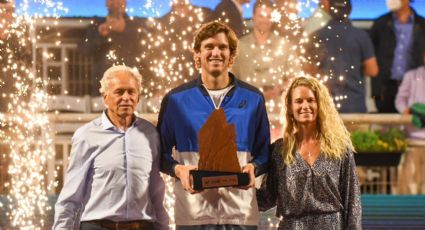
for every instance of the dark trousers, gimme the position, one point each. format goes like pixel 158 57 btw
pixel 385 103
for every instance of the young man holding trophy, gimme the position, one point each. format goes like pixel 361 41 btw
pixel 216 124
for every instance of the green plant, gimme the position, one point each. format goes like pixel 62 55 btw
pixel 364 141
pixel 392 140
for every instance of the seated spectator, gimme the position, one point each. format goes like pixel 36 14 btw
pixel 412 173
pixel 347 55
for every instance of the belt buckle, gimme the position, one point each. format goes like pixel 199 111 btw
pixel 123 226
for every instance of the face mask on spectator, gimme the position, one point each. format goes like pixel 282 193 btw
pixel 393 5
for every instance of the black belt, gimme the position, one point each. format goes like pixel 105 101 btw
pixel 122 225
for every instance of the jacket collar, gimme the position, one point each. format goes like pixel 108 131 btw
pixel 233 81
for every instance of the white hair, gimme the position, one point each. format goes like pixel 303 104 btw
pixel 110 73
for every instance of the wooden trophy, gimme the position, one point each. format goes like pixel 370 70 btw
pixel 218 164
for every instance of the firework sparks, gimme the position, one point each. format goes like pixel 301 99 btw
pixel 25 127
pixel 169 49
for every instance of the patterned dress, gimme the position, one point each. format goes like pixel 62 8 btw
pixel 323 196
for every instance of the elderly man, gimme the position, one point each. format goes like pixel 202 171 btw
pixel 186 108
pixel 113 177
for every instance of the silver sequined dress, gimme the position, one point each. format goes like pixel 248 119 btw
pixel 324 196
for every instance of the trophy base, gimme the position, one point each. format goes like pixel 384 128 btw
pixel 209 179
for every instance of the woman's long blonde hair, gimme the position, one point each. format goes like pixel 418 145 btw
pixel 334 137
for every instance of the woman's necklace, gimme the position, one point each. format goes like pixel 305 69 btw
pixel 303 147
pixel 308 147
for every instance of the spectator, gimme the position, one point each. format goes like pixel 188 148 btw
pixel 171 60
pixel 290 28
pixel 399 41
pixel 231 13
pixel 411 91
pixel 289 25
pixel 347 56
pixel 263 57
pixel 114 40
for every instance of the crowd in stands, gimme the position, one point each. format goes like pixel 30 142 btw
pixel 326 45
pixel 272 51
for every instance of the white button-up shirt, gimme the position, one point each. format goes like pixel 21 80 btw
pixel 113 174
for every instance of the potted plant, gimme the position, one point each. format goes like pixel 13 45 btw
pixel 379 147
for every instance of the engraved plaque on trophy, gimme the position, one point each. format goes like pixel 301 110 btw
pixel 218 164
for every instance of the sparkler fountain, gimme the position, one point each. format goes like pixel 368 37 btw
pixel 25 127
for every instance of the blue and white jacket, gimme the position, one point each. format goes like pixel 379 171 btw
pixel 184 111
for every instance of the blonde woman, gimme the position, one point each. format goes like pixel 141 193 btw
pixel 312 177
